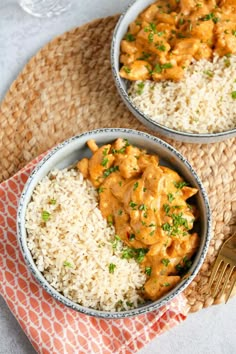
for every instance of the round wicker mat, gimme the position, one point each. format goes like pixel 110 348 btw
pixel 66 89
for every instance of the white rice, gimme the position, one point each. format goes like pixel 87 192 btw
pixel 198 103
pixel 75 247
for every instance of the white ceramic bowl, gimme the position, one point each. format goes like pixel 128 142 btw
pixel 74 149
pixel 133 10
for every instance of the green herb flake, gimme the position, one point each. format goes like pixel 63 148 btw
pixel 110 219
pixel 67 264
pixel 100 190
pixel 120 212
pixel 233 95
pixel 105 161
pixel 132 205
pixel 144 189
pixel 52 201
pixel 45 215
pixel 108 171
pixel 132 237
pixel 130 304
pixel 105 151
pixel 152 233
pixel 144 56
pixel 166 227
pixel 234 33
pixel 227 62
pixel 160 47
pixel 115 242
pixel 181 21
pixel 170 197
pixel 166 208
pixel 166 284
pixel 208 73
pixel 120 183
pixel 130 37
pixel 142 207
pixel 135 186
pixel 180 185
pixel 160 67
pixel 112 267
pixel 140 254
pixel 165 261
pixel 126 69
pixel 148 271
pixel 150 37
pixel 140 88
pixel 199 5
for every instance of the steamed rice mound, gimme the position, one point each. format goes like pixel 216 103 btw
pixel 75 249
pixel 204 101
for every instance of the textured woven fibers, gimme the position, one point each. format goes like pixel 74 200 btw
pixel 66 89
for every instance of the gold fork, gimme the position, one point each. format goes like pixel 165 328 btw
pixel 224 269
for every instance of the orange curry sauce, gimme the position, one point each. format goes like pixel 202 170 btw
pixel 147 205
pixel 169 34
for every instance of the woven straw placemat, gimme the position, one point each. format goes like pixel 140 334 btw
pixel 66 89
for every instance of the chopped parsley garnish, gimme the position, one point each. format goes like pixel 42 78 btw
pixel 67 264
pixel 140 88
pixel 112 267
pixel 151 28
pixel 180 185
pixel 227 62
pixel 136 253
pixel 148 271
pixel 166 227
pixel 183 267
pixel 170 197
pixel 132 205
pixel 150 37
pixel 142 207
pixel 208 73
pixel 131 237
pixel 160 47
pixel 115 242
pixel 100 189
pixel 144 189
pixel 166 284
pixel 199 5
pixel 120 212
pixel 110 220
pixel 159 67
pixel 152 233
pixel 166 208
pixel 45 215
pixel 178 220
pixel 165 261
pixel 120 183
pixel 126 69
pixel 181 21
pixel 144 56
pixel 52 201
pixel 105 151
pixel 210 16
pixel 233 95
pixel 130 304
pixel 108 171
pixel 135 186
pixel 130 37
pixel 234 33
pixel 105 161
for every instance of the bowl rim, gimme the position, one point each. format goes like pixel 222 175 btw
pixel 61 298
pixel 198 137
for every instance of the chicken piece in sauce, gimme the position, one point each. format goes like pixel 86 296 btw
pixel 146 202
pixel 168 35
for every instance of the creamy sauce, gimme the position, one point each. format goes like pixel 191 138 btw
pixel 168 35
pixel 147 204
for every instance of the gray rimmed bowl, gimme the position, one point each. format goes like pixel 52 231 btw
pixel 131 13
pixel 74 149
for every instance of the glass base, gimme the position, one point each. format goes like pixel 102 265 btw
pixel 45 8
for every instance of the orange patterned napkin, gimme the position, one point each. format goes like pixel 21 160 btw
pixel 52 327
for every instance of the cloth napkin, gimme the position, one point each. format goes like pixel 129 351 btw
pixel 52 327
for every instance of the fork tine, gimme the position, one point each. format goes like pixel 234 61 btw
pixel 226 280
pixel 230 289
pixel 214 270
pixel 219 279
